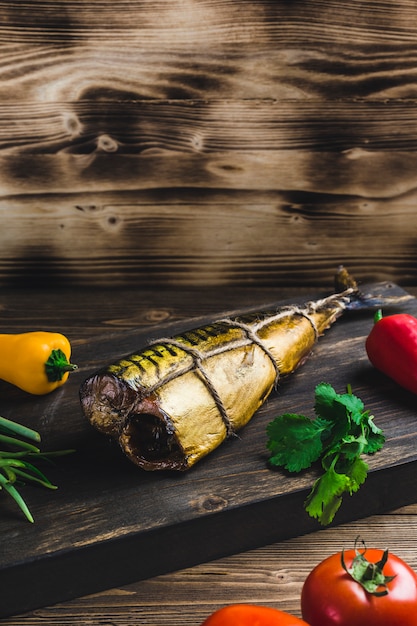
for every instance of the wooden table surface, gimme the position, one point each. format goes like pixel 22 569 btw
pixel 272 575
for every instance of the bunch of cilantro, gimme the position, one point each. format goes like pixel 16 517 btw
pixel 339 435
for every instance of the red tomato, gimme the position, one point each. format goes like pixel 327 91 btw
pixel 251 615
pixel 331 596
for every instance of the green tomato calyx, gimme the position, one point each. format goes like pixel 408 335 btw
pixel 369 575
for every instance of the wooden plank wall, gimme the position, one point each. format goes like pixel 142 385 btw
pixel 220 142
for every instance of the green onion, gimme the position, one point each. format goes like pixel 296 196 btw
pixel 17 461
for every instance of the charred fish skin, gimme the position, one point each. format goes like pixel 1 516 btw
pixel 177 399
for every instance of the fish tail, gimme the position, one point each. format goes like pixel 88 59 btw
pixel 383 294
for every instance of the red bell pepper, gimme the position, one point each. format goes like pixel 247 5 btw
pixel 392 348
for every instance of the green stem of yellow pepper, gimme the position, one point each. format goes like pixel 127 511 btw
pixel 57 365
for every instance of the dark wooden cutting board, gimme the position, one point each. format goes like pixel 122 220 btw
pixel 110 523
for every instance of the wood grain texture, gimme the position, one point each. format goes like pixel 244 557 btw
pixel 106 509
pixel 167 115
pixel 211 142
pixel 280 238
pixel 188 49
pixel 272 575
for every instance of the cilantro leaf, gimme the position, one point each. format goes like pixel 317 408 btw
pixel 341 433
pixel 370 422
pixel 353 405
pixel 295 441
pixel 375 442
pixel 352 446
pixel 357 473
pixel 328 406
pixel 325 497
pixel 324 396
pixel 375 436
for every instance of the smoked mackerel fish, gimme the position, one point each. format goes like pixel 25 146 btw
pixel 175 400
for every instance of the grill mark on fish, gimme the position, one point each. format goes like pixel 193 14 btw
pixel 202 333
pixel 210 330
pixel 137 361
pixel 157 353
pixel 189 338
pixel 151 359
pixel 171 350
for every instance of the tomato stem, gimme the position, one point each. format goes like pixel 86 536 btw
pixel 369 575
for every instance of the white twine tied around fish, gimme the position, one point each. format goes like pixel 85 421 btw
pixel 251 337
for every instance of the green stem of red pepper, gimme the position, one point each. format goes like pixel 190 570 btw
pixel 378 316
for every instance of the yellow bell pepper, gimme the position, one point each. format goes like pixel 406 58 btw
pixel 37 362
